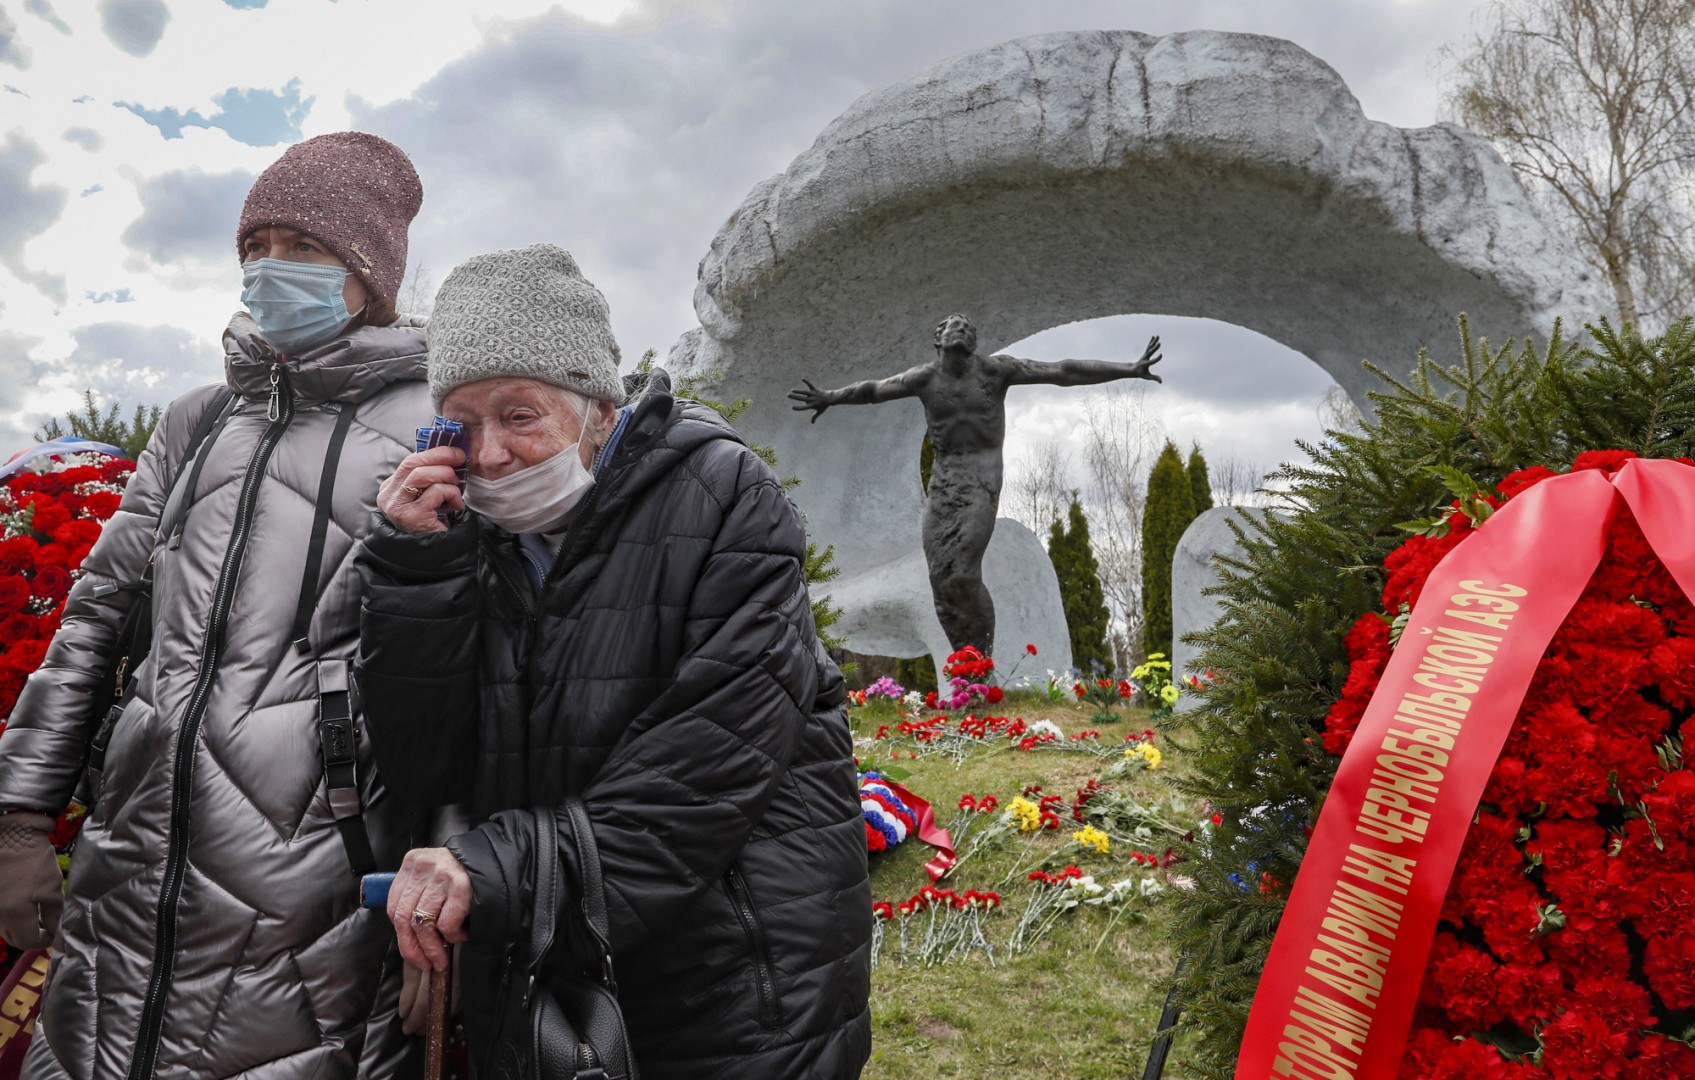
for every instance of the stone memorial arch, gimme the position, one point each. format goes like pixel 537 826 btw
pixel 1073 176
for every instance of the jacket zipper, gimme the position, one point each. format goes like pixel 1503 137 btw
pixel 281 414
pixel 742 900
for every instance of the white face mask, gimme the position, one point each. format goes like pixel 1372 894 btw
pixel 534 498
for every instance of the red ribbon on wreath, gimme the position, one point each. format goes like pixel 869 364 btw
pixel 928 831
pixel 20 1003
pixel 1341 981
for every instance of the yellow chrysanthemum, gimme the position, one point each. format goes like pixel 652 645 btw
pixel 1026 813
pixel 1148 752
pixel 1168 694
pixel 1091 837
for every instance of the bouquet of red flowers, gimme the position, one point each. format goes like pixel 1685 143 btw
pixel 50 515
pixel 1565 948
pixel 48 521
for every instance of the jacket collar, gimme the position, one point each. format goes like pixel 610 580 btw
pixel 349 369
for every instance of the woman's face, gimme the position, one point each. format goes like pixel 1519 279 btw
pixel 514 423
pixel 277 242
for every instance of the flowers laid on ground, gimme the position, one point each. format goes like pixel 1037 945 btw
pixel 953 925
pixel 1090 837
pixel 885 687
pixel 966 671
pixel 1152 678
pixel 1140 754
pixel 1565 948
pixel 1053 895
pixel 1105 695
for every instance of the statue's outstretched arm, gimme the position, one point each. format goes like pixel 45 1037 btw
pixel 1084 372
pixel 867 392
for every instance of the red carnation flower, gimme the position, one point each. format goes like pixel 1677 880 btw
pixel 52 555
pixel 1031 649
pixel 101 505
pixel 1669 963
pixel 48 517
pixel 49 484
pixel 1605 460
pixel 77 533
pixel 1514 483
pixel 1581 1046
pixel 994 695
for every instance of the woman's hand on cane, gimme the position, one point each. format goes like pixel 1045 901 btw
pixel 427 904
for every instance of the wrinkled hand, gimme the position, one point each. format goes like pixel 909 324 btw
pixel 427 904
pixel 32 889
pixel 811 398
pixel 415 997
pixel 1142 369
pixel 422 485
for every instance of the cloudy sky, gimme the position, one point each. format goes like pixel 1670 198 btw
pixel 624 130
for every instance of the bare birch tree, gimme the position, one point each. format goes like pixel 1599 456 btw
pixel 1235 481
pixel 418 292
pixel 1041 489
pixel 1337 411
pixel 1594 102
pixel 1122 434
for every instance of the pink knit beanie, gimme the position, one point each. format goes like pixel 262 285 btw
pixel 355 192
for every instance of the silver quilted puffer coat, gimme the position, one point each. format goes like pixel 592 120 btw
pixel 212 926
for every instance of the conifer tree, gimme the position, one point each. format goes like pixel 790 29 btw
pixel 1200 483
pixel 1080 589
pixel 130 435
pixel 1166 513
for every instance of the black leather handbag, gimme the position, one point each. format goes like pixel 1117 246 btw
pixel 562 1027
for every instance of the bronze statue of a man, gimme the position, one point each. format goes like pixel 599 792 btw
pixel 964 398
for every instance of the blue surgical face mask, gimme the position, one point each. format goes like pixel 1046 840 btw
pixel 297 305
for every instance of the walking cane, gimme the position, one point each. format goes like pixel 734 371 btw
pixel 373 893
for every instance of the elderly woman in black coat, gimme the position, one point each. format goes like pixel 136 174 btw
pixel 621 615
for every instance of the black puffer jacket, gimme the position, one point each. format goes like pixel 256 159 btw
pixel 670 675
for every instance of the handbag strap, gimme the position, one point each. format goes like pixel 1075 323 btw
pixel 593 886
pixel 546 894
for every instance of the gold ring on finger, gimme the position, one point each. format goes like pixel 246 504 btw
pixel 412 491
pixel 420 917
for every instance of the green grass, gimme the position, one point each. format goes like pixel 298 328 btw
pixel 1062 1009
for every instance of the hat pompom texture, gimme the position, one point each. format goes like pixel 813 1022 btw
pixel 526 313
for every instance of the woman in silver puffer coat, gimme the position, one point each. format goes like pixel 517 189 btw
pixel 211 926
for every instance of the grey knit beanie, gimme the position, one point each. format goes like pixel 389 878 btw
pixel 528 313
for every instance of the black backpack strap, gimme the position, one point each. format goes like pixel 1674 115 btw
pixel 337 735
pixel 308 601
pixel 206 434
pixel 339 742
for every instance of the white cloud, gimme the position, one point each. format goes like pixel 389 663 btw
pixel 135 26
pixel 624 130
